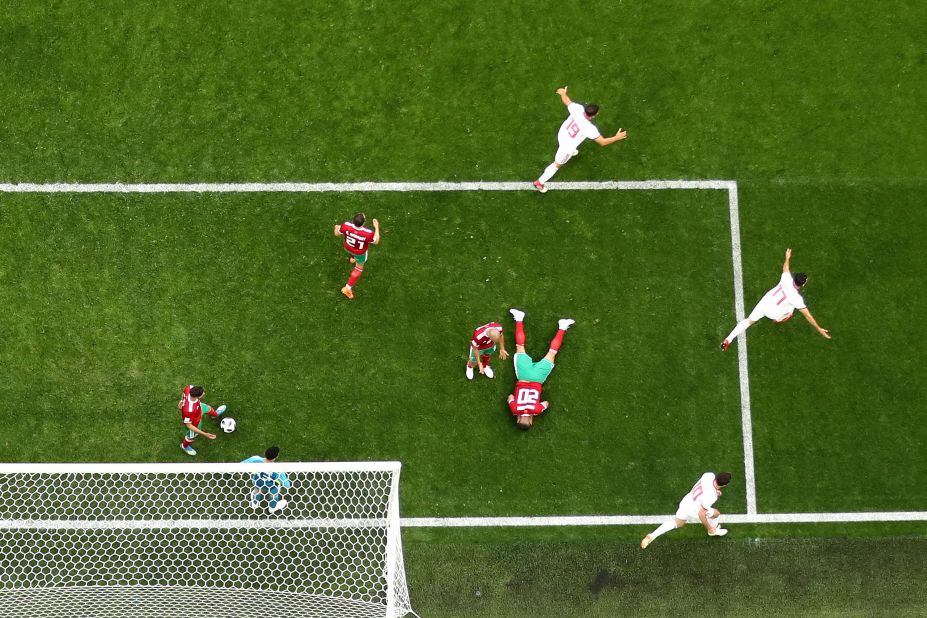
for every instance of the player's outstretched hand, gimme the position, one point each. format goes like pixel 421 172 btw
pixel 825 333
pixel 211 436
pixel 562 91
pixel 503 355
pixel 621 134
pixel 788 253
pixel 376 223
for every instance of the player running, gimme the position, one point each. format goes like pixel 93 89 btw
pixel 482 345
pixel 268 484
pixel 526 403
pixel 574 131
pixel 357 239
pixel 191 410
pixel 779 304
pixel 696 507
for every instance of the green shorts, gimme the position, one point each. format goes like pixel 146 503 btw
pixel 360 259
pixel 485 352
pixel 192 434
pixel 529 371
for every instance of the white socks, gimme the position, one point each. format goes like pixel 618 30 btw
pixel 741 327
pixel 549 172
pixel 669 524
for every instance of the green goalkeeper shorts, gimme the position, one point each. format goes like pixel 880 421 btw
pixel 526 369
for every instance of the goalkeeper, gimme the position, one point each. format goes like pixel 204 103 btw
pixel 268 484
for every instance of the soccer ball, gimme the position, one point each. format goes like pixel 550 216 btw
pixel 227 424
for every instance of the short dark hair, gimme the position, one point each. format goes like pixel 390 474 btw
pixel 723 478
pixel 799 279
pixel 591 109
pixel 272 453
pixel 524 423
pixel 359 219
pixel 196 391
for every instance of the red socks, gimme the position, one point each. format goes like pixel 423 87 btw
pixel 519 333
pixel 186 443
pixel 558 340
pixel 355 275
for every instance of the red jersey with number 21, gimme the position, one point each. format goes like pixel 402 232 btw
pixel 191 411
pixel 356 239
pixel 527 399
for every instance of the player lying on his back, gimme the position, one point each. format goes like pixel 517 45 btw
pixel 268 485
pixel 778 304
pixel 482 344
pixel 526 403
pixel 357 239
pixel 191 410
pixel 696 507
pixel 575 129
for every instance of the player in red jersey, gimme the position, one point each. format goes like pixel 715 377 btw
pixel 357 239
pixel 482 345
pixel 526 403
pixel 191 410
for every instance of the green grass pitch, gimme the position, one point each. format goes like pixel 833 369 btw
pixel 110 303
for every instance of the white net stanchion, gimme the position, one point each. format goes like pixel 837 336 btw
pixel 201 540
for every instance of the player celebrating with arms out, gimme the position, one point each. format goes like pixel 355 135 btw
pixel 357 239
pixel 482 345
pixel 696 507
pixel 191 410
pixel 778 304
pixel 526 403
pixel 574 131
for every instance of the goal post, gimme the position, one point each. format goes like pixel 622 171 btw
pixel 206 540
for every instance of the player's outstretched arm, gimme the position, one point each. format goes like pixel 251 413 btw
pixel 503 353
pixel 563 95
pixel 196 429
pixel 788 257
pixel 337 230
pixel 823 331
pixel 617 137
pixel 376 232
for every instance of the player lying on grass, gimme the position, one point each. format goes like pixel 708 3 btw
pixel 191 410
pixel 268 485
pixel 357 240
pixel 526 403
pixel 778 304
pixel 696 507
pixel 575 129
pixel 482 344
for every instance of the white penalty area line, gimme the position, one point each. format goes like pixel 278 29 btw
pixel 639 520
pixel 372 187
pixel 349 187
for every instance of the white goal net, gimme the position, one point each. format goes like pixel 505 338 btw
pixel 201 540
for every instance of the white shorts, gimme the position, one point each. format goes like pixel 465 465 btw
pixel 770 310
pixel 564 153
pixel 688 511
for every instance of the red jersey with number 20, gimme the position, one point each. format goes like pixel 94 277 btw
pixel 527 399
pixel 191 411
pixel 356 239
pixel 481 335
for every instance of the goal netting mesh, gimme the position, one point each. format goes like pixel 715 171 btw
pixel 203 540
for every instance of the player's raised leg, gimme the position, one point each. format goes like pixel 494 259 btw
pixel 563 324
pixel 669 524
pixel 519 317
pixel 743 325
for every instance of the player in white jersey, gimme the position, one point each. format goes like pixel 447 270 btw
pixel 697 506
pixel 778 304
pixel 574 131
